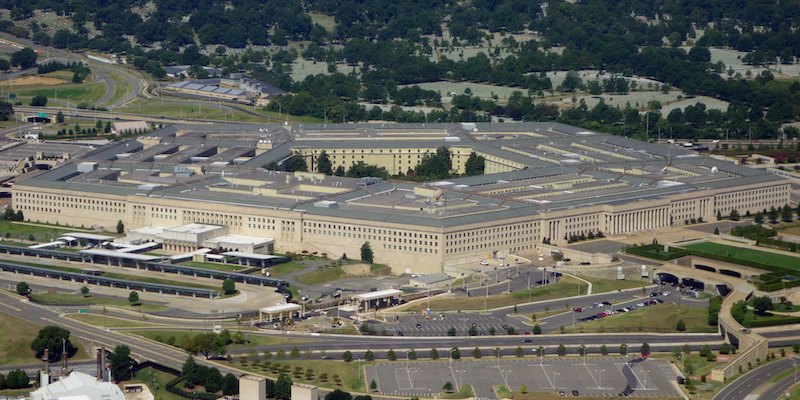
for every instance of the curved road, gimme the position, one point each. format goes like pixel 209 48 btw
pixel 742 387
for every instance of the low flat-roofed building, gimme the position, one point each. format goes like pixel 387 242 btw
pixel 431 281
pixel 372 301
pixel 543 182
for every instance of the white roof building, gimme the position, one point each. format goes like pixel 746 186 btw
pixel 78 386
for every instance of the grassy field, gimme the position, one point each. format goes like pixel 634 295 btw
pixel 322 275
pixel 148 376
pixel 350 374
pixel 464 392
pixel 123 87
pixel 600 285
pixel 195 109
pixel 285 268
pixel 163 336
pixel 77 299
pixel 214 266
pixel 108 322
pixel 745 255
pixel 41 233
pixel 656 318
pixel 15 342
pixel 564 288
pixel 74 93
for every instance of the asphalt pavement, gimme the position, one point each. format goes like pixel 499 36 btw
pixel 742 387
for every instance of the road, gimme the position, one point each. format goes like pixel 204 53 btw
pixel 741 388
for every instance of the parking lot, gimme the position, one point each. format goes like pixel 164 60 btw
pixel 439 324
pixel 596 377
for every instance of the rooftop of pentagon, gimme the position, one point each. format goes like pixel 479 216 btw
pixel 561 167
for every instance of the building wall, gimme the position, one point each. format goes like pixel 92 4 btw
pixel 404 247
pixel 252 388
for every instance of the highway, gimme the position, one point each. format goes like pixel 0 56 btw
pixel 741 388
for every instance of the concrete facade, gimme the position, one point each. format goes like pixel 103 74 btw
pixel 179 176
pixel 252 387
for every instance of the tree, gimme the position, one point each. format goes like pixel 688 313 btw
pixel 228 286
pixel 373 386
pixel 411 355
pixel 206 343
pixel 4 65
pixel 23 289
pixel 214 381
pixel 435 166
pixel 623 349
pixel 190 372
pixel 56 340
pixel 455 353
pixel 561 350
pixel 366 253
pixel 85 291
pixel 2 381
pixel 787 214
pixel 473 331
pixel 324 164
pixel 24 58
pixel 347 356
pixel 604 350
pixel 120 227
pixel 519 352
pixel 369 356
pixel 447 387
pixel 121 363
pixel 759 218
pixel 17 379
pixel 680 326
pixel 475 165
pixel 296 163
pixel 645 349
pixel 230 385
pixel 283 387
pixel 537 330
pixel 391 355
pixel 39 101
pixel 476 353
pixel 762 304
pixel 133 298
pixel 716 231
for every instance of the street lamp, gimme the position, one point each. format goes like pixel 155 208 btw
pixel 645 378
pixel 529 286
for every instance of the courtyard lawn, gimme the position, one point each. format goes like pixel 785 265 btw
pixel 23 230
pixel 149 375
pixel 746 255
pixel 285 268
pixel 15 342
pixel 655 318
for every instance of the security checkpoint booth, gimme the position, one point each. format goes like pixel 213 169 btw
pixel 278 312
pixel 367 302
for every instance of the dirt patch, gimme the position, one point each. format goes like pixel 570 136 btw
pixel 356 269
pixel 35 81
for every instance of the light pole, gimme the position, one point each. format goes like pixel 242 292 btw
pixel 460 379
pixel 645 378
pixel 486 298
pixel 529 286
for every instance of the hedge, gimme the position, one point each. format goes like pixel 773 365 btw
pixel 760 323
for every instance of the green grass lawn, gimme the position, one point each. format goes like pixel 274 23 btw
pixel 15 342
pixel 123 87
pixel 74 93
pixel 564 288
pixel 464 392
pixel 745 255
pixel 41 233
pixel 77 299
pixel 322 275
pixel 108 322
pixel 214 266
pixel 655 318
pixel 164 336
pixel 148 376
pixel 600 285
pixel 175 108
pixel 351 377
pixel 285 268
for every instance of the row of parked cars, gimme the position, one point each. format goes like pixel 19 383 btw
pixel 609 311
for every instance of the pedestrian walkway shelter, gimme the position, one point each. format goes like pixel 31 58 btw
pixel 111 257
pixel 372 301
pixel 254 259
pixel 279 312
pixel 89 238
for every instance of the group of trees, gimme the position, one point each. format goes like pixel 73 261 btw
pixel 55 340
pixel 79 70
pixel 10 215
pixel 16 379
pixel 6 110
pixel 210 378
pixel 209 344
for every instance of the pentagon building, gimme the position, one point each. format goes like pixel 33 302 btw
pixel 542 181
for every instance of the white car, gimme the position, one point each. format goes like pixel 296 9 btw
pixel 484 262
